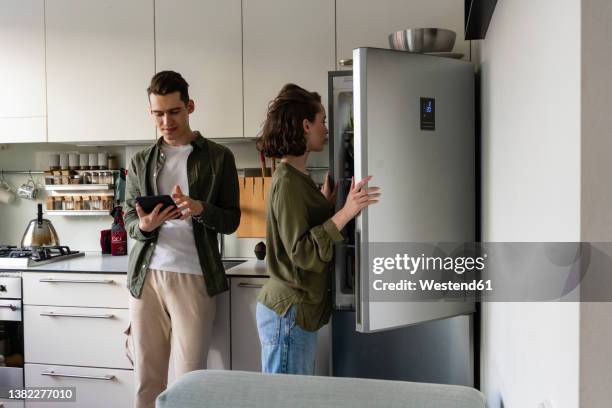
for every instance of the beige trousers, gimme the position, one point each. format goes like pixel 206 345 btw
pixel 174 308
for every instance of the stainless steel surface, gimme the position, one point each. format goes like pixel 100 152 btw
pixel 53 280
pixel 423 40
pixel 431 173
pixel 39 232
pixel 9 306
pixel 10 378
pixel 250 285
pixel 89 377
pixel 101 316
pixel 230 263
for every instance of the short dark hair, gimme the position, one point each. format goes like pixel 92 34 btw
pixel 283 131
pixel 167 82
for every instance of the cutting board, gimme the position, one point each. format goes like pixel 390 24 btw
pixel 253 198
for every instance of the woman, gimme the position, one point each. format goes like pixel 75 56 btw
pixel 301 232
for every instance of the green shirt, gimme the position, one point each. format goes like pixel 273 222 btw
pixel 213 181
pixel 300 246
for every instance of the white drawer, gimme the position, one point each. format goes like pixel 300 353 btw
pixel 7 403
pixel 10 309
pixel 75 336
pixel 10 287
pixel 75 289
pixel 95 387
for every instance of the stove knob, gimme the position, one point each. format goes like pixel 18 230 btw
pixel 2 288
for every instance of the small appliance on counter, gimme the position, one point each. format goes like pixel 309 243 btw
pixel 39 233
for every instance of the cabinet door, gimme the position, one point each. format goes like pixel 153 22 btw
pixel 246 349
pixel 22 52
pixel 202 40
pixel 284 41
pixel 367 23
pixel 100 60
pixel 83 336
pixel 94 387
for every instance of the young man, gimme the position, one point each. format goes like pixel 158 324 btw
pixel 175 268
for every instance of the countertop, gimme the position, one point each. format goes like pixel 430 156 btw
pixel 94 262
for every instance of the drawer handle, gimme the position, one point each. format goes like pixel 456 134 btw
pixel 51 280
pixel 90 377
pixel 12 307
pixel 250 285
pixel 53 314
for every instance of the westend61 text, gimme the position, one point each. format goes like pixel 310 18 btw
pixel 432 285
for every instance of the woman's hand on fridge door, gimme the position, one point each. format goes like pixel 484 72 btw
pixel 359 197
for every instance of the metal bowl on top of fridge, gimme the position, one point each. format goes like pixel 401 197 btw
pixel 423 40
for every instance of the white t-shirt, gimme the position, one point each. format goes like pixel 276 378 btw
pixel 175 250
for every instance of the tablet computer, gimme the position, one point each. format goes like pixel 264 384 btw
pixel 148 203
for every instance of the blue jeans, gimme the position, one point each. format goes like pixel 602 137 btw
pixel 285 347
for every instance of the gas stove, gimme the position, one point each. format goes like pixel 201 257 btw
pixel 14 257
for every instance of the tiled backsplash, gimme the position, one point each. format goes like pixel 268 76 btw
pixel 83 232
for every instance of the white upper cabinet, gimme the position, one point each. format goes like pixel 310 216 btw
pixel 367 23
pixel 100 60
pixel 284 41
pixel 22 69
pixel 202 40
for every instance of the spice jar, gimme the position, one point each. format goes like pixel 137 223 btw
pixel 73 161
pixel 76 179
pixel 93 161
pixel 49 203
pixel 49 180
pixel 84 161
pixel 86 203
pixel 113 163
pixel 103 160
pixel 63 161
pixel 58 203
pixel 54 162
pixel 95 178
pixel 95 203
pixel 68 203
pixel 86 177
pixel 78 203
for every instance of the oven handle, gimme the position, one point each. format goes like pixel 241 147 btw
pixel 90 377
pixel 53 314
pixel 12 307
pixel 51 280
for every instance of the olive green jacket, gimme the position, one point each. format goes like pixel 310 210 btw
pixel 213 181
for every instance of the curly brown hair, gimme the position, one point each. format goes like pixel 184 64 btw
pixel 167 82
pixel 283 131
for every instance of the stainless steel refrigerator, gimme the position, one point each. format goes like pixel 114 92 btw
pixel 408 120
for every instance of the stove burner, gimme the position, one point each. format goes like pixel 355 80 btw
pixel 35 253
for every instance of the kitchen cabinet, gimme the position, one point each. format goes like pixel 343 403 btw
pixel 246 348
pixel 73 336
pixel 100 60
pixel 202 40
pixel 386 16
pixel 22 52
pixel 284 41
pixel 94 387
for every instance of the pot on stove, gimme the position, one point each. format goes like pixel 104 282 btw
pixel 39 233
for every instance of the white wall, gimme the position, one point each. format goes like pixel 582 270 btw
pixel 530 72
pixel 596 318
